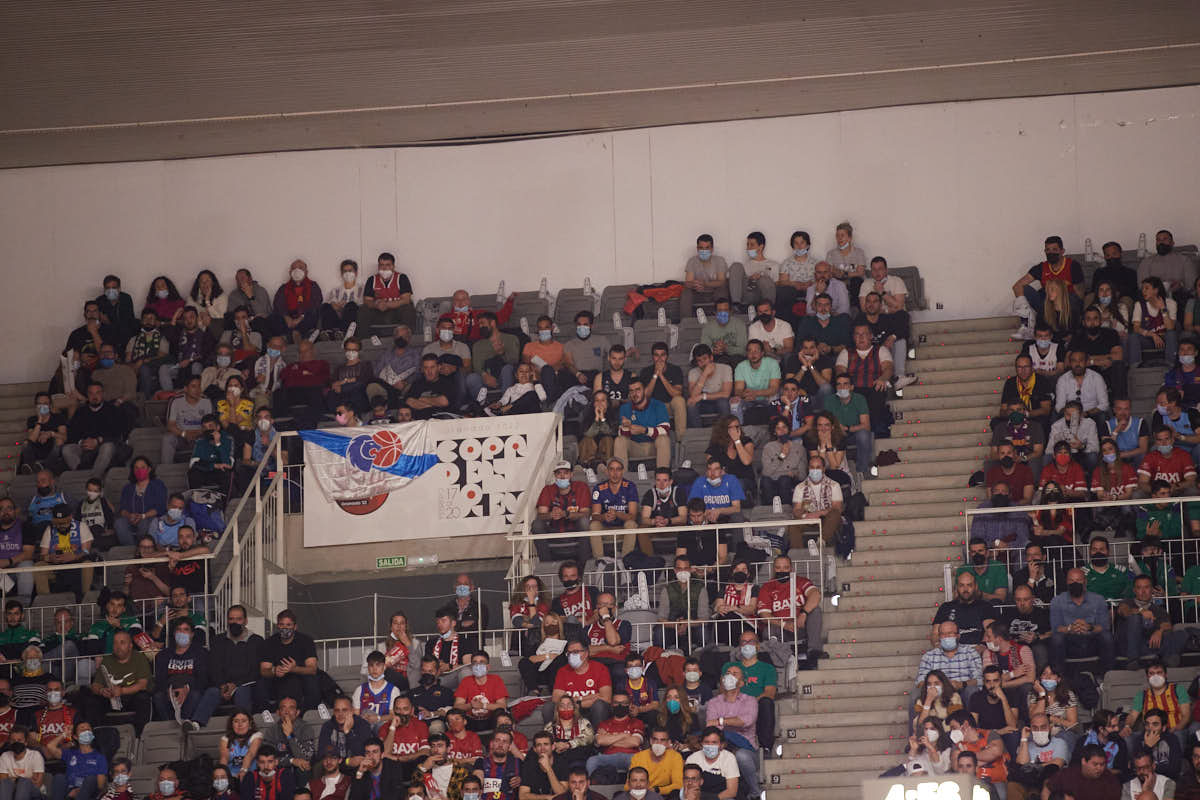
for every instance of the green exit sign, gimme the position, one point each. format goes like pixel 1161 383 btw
pixel 391 562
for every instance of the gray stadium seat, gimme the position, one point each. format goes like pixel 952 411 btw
pixel 161 741
pixel 915 285
pixel 568 303
pixel 147 442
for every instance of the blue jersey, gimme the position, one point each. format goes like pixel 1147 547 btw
pixel 619 500
pixel 81 766
pixel 41 507
pixel 720 496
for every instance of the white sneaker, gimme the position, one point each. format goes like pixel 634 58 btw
pixel 191 726
pixel 590 474
pixel 813 549
pixel 479 398
pixel 543 289
pixel 905 380
pixel 525 325
pixel 350 329
pixel 500 295
pixel 912 353
pixel 662 317
pixel 1024 332
pixel 316 334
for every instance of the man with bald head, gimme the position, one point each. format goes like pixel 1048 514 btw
pixel 959 662
pixel 968 610
pixel 1080 625
pixel 470 613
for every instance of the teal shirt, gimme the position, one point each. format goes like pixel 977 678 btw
pixel 993 578
pixel 757 379
pixel 849 413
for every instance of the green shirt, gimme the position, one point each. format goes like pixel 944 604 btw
pixel 1169 523
pixel 993 578
pixel 1114 584
pixel 1191 580
pixel 757 379
pixel 847 413
pixel 54 640
pixel 758 676
pixel 1181 696
pixel 103 630
pixel 482 350
pixel 126 674
pixel 733 334
pixel 18 635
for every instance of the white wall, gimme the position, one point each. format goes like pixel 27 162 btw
pixel 967 191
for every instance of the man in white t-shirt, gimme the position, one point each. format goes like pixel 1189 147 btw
pixel 21 766
pixel 714 759
pixel 775 333
pixel 818 496
pixel 891 289
pixel 710 384
pixel 183 419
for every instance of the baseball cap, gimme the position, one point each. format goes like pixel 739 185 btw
pixel 563 465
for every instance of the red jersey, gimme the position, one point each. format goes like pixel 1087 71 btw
pixel 409 738
pixel 53 722
pixel 467 748
pixel 773 600
pixel 1173 468
pixel 739 596
pixel 622 726
pixel 1073 480
pixel 7 720
pixel 594 678
pixel 578 602
pixel 595 634
pixel 528 610
pixel 493 690
pixel 1126 479
pixel 577 497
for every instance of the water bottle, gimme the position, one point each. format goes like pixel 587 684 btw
pixel 662 317
pixel 591 476
pixel 428 332
pixel 617 324
pixel 776 505
pixel 1142 245
pixel 525 326
pixel 587 287
pixel 672 337
pixel 1089 255
pixel 500 295
pixel 701 317
pixel 323 710
pixel 267 718
pixel 544 289
pixel 350 329
pixel 642 472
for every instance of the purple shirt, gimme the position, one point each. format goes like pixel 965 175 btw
pixel 12 540
pixel 743 706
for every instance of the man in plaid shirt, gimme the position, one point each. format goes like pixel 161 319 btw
pixel 961 664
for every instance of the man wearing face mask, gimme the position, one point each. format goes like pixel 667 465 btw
pixel 182 680
pixel 268 781
pixel 662 764
pixel 46 432
pixel 1173 268
pixel 146 352
pixel 725 335
pixel 471 613
pixel 588 683
pixel 563 505
pixel 95 434
pixel 116 311
pixel 494 356
pixel 64 541
pixel 1123 279
pixel 297 304
pixel 22 768
pixel 479 695
pixel 577 601
pixel 618 737
pixel 431 700
pixel 1104 352
pixel 736 715
pixel 586 354
pixel 682 603
pixel 796 273
pixel 1065 472
pixel 93 331
pixel 704 276
pixel 1016 475
pixel 830 331
pixel 445 343
pixel 760 681
pixel 755 280
pixel 288 665
pixel 990 575
pixel 235 660
pixel 638 786
pixel 1173 412
pixel 447 646
pixel 212 458
pixel 1184 376
pixel 1056 267
pixel 1036 752
pixel 1103 577
pixel 1168 463
pixel 387 298
pixel 1080 623
pixel 719 766
pixel 956 660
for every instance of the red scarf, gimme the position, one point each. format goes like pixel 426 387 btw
pixel 297 296
pixel 437 651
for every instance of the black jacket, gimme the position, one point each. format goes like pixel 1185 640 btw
pixel 391 783
pixel 235 662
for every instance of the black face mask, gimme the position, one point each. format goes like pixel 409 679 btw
pixel 428 680
pixel 1075 589
pixel 400 343
pixel 1163 249
pixel 236 629
pixel 44 491
pixel 979 559
pixel 782 577
pixel 1000 500
pixel 739 577
pixel 1007 462
pixel 1053 258
pixel 569 585
pixel 620 712
pixel 17 748
pixel 1112 262
pixel 1092 330
pixel 4 700
pixel 485 333
pixel 1099 559
pixel 1051 497
pixel 765 319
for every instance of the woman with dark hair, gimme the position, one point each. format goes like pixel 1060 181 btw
pixel 782 459
pixel 143 500
pixel 1053 697
pixel 937 699
pixel 1114 310
pixel 929 750
pixel 148 581
pixel 827 439
pixel 1154 323
pixel 210 301
pixel 598 428
pixel 164 300
pixel 735 451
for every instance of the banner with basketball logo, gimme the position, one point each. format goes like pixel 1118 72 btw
pixel 421 480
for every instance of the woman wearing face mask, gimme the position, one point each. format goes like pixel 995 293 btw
pixel 1154 323
pixel 827 439
pixel 235 411
pixel 255 447
pixel 210 301
pixel 546 642
pixel 929 751
pixel 223 785
pixel 526 608
pixel 147 581
pixel 572 732
pixel 143 501
pixel 737 600
pixel 297 301
pixel 118 787
pixel 86 775
pixel 339 312
pixel 937 700
pixel 30 679
pixel 735 450
pixel 1114 311
pixel 1106 732
pixel 351 377
pixel 1079 432
pixel 164 300
pixel 782 460
pixel 397 651
pixel 95 512
pixel 168 786
pixel 1113 479
pixel 599 428
pixel 1053 697
pixel 676 715
pixel 1065 471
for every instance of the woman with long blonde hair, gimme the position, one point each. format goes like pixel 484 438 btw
pixel 1057 313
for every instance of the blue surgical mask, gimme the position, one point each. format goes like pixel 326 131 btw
pixel 801 252
pixel 711 751
pixel 1109 458
pixel 749 651
pixel 446 335
pixel 112 294
pixel 272 352
pixel 43 409
pixel 634 672
pixel 1187 360
pixel 845 246
pixel 949 642
pixel 751 253
pixel 86 737
pixel 1104 301
pixel 107 363
pixel 462 309
pixel 816 475
pixel 479 670
pixel 220 784
pixel 121 778
pixel 822 316
pixel 166 788
pixel 1043 344
pixel 1165 449
pixel 843 393
pixel 583 331
pixel 723 317
pixel 545 336
pixel 183 639
pixel 1049 684
pixel 704 255
pixel 175 514
pixel 714 481
pixel 562 483
pixel 673 706
pixel 462 590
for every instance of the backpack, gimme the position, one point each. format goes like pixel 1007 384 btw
pixel 856 507
pixel 1087 689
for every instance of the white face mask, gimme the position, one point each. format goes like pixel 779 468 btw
pixel 1041 738
pixel 658 749
pixel 93 495
pixel 691 677
pixel 956 737
pixel 931 735
pixel 637 794
pixel 1157 681
pixel 297 275
pixel 264 424
pixel 352 355
pixel 729 681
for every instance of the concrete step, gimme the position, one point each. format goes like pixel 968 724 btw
pixel 925 427
pixel 913 402
pixel 889 633
pixel 817 705
pixel 976 389
pixel 938 361
pixel 962 375
pixel 960 468
pixel 932 557
pixel 804 722
pixel 854 602
pixel 974 412
pixel 869 744
pixel 790 770
pixel 974 453
pixel 916 525
pixel 1009 348
pixel 22 390
pixel 843 786
pixel 890 541
pixel 856 650
pixel 880 581
pixel 845 620
pixel 986 337
pixel 948 509
pixel 878 665
pixel 939 442
pixel 973 495
pixel 1000 323
pixel 822 682
pixel 886 486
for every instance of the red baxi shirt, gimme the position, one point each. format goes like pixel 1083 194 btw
pixel 594 677
pixel 1173 468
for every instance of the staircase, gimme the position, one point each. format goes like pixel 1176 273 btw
pixel 16 405
pixel 849 718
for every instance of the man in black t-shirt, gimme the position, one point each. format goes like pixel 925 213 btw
pixel 430 393
pixel 1124 279
pixel 664 504
pixel 544 772
pixel 1028 623
pixel 968 610
pixel 289 664
pixel 45 434
pixel 664 382
pixel 990 706
pixel 1104 352
pixel 1034 400
pixel 813 371
pixel 92 331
